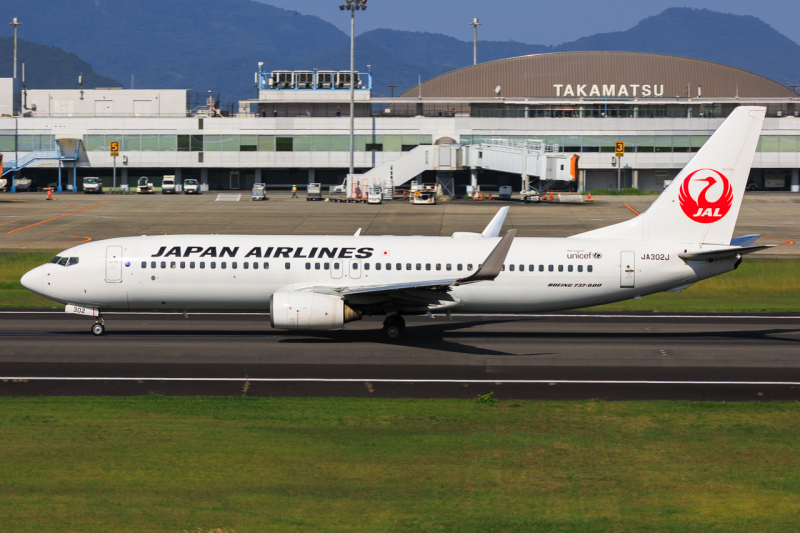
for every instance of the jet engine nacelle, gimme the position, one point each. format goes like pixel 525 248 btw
pixel 309 310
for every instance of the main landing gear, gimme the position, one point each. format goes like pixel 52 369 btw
pixel 393 327
pixel 99 327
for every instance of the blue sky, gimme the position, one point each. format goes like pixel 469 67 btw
pixel 532 21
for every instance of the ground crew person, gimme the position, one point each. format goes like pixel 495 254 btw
pixel 294 191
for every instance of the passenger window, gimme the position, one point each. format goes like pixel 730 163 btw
pixel 308 266
pixel 511 268
pixel 427 266
pixel 163 264
pixel 419 266
pixel 569 268
pixel 144 264
pixel 202 264
pixel 255 265
pixel 233 265
pixel 469 266
pixel 438 266
pixel 172 264
pixel 449 267
pixel 266 266
pixel 589 268
pixel 408 266
pixel 389 266
pixel 399 266
pixel 377 266
pixel 191 264
pixel 502 268
pixel 541 268
pixel 183 264
pixel 316 266
pixel 327 266
pixel 550 268
pixel 522 268
pixel 580 268
pixel 152 264
pixel 459 267
pixel 213 264
pixel 366 266
pixel 531 268
pixel 223 264
pixel 246 264
pixel 336 266
pixel 561 268
pixel 288 266
pixel 355 266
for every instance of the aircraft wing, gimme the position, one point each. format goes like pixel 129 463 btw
pixel 722 254
pixel 487 271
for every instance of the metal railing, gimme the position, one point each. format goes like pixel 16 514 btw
pixel 14 165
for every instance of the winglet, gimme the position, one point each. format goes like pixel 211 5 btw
pixel 746 240
pixel 493 229
pixel 357 233
pixel 494 263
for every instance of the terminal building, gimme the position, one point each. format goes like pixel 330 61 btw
pixel 297 129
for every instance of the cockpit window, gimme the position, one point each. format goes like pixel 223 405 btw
pixel 65 261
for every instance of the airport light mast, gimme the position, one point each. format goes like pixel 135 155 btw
pixel 353 6
pixel 475 23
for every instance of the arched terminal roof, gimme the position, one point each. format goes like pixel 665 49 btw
pixel 593 74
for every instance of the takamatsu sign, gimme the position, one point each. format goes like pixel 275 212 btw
pixel 631 90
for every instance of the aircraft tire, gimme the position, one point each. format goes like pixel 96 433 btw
pixel 394 327
pixel 98 329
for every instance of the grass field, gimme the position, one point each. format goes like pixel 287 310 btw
pixel 280 464
pixel 756 286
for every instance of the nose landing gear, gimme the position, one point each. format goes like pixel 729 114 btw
pixel 99 327
pixel 393 327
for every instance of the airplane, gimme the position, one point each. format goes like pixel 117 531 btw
pixel 323 282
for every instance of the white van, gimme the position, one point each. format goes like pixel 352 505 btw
pixel 168 185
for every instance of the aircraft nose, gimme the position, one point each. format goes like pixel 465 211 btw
pixel 33 280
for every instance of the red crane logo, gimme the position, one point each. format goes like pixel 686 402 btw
pixel 701 209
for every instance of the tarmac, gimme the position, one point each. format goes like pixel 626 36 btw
pixel 28 221
pixel 554 357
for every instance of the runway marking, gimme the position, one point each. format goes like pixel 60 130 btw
pixel 787 241
pixel 632 209
pixel 389 380
pixel 85 239
pixel 37 214
pixel 54 218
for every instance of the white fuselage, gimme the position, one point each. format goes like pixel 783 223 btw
pixel 186 272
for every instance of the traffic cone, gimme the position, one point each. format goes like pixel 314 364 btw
pixel 551 196
pixel 490 196
pixel 589 197
pixel 49 193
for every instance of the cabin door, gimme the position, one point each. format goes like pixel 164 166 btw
pixel 627 270
pixel 355 269
pixel 114 264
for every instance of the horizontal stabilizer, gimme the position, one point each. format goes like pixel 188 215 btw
pixel 745 240
pixel 723 254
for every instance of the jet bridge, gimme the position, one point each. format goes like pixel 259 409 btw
pixel 526 158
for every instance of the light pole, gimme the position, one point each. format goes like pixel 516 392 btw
pixel 392 87
pixel 475 23
pixel 353 6
pixel 15 22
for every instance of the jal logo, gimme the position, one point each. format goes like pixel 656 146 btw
pixel 706 196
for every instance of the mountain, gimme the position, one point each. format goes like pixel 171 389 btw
pixel 205 44
pixel 740 41
pixel 48 67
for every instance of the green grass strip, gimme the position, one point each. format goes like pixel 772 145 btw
pixel 303 464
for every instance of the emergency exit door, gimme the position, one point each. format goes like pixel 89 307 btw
pixel 355 269
pixel 337 269
pixel 114 264
pixel 627 270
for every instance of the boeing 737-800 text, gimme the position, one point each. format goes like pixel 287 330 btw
pixel 323 282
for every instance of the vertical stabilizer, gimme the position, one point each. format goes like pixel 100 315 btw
pixel 702 203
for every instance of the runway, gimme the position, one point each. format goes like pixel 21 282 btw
pixel 559 357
